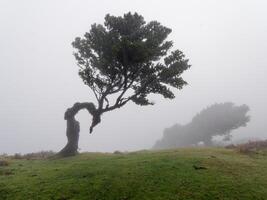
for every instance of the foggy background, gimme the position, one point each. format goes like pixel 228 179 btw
pixel 225 41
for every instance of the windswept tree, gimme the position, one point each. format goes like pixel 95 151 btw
pixel 216 120
pixel 124 60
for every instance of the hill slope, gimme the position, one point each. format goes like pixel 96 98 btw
pixel 168 175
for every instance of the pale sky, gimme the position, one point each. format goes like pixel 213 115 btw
pixel 225 41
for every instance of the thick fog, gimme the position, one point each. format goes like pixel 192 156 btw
pixel 225 41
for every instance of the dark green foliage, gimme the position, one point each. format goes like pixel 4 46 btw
pixel 126 53
pixel 215 120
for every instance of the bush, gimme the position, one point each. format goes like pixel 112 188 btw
pixel 3 163
pixel 35 156
pixel 117 152
pixel 249 147
pixel 17 156
pixel 39 155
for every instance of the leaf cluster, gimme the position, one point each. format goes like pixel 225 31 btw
pixel 128 54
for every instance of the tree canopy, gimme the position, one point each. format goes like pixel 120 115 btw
pixel 129 58
pixel 216 120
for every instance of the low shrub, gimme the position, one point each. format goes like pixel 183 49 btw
pixel 35 156
pixel 4 163
pixel 17 156
pixel 249 147
pixel 117 152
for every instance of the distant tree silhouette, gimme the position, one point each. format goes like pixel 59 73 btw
pixel 126 59
pixel 215 120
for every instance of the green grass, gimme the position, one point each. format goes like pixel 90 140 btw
pixel 165 175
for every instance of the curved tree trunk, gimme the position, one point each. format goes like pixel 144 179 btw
pixel 72 132
pixel 73 126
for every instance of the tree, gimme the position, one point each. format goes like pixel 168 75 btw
pixel 126 58
pixel 215 120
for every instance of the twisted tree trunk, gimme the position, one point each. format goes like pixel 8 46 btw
pixel 73 126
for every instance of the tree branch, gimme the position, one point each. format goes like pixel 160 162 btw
pixel 90 107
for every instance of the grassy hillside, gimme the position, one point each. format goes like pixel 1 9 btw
pixel 168 175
